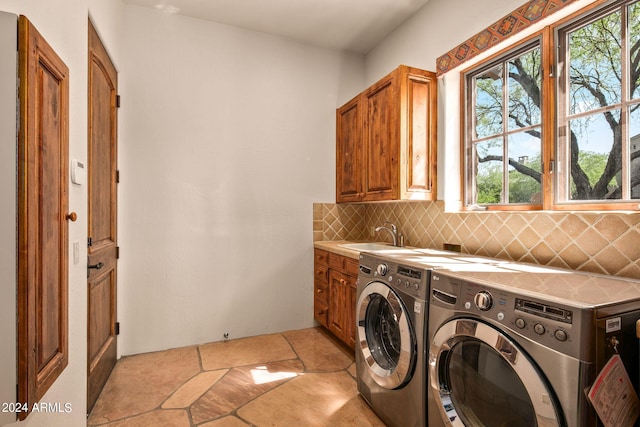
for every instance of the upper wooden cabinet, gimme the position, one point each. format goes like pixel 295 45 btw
pixel 386 140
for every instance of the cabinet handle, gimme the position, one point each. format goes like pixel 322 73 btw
pixel 319 291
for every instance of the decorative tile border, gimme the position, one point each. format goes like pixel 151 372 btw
pixel 516 21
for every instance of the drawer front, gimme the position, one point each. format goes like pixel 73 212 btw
pixel 352 267
pixel 321 257
pixel 321 291
pixel 321 273
pixel 321 313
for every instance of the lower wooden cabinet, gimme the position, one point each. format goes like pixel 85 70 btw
pixel 335 294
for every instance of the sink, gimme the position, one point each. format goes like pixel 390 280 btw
pixel 371 247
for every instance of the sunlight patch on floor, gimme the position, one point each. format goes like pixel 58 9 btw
pixel 261 375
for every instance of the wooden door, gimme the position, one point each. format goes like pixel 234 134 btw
pixel 349 152
pixel 43 159
pixel 102 221
pixel 381 141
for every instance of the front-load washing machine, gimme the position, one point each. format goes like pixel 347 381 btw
pixel 514 345
pixel 391 315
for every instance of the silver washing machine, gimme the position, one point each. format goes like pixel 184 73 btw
pixel 391 314
pixel 515 346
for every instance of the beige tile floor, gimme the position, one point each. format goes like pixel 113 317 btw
pixel 295 378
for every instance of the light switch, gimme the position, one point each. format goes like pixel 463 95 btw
pixel 76 252
pixel 78 173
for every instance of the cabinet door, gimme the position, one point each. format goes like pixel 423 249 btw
pixel 351 312
pixel 381 141
pixel 43 200
pixel 338 288
pixel 419 128
pixel 349 152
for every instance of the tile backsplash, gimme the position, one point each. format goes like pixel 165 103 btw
pixel 602 242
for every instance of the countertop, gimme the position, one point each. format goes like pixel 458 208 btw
pixel 333 246
pixel 575 288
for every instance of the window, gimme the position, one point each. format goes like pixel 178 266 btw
pixel 505 145
pixel 598 118
pixel 569 140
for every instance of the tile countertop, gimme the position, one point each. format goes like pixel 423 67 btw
pixel 579 289
pixel 336 247
pixel 333 246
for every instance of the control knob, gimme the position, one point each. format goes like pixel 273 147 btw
pixel 483 300
pixel 382 269
pixel 561 335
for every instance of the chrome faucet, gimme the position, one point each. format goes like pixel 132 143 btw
pixel 398 240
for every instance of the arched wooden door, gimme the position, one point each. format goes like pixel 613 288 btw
pixel 102 221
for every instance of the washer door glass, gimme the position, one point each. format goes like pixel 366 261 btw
pixel 484 379
pixel 385 337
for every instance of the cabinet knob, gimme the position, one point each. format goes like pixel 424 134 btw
pixel 71 217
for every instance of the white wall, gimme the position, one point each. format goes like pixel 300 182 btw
pixel 8 41
pixel 227 138
pixel 438 27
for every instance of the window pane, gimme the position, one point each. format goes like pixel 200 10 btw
pixel 488 102
pixel 634 43
pixel 595 65
pixel 593 146
pixel 489 171
pixel 634 150
pixel 524 90
pixel 525 167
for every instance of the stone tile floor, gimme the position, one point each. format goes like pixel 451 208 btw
pixel 295 378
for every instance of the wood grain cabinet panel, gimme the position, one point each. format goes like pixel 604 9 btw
pixel 335 293
pixel 349 151
pixel 43 200
pixel 386 140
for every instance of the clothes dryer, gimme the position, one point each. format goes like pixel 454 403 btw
pixel 511 344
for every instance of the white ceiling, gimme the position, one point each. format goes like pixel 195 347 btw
pixel 353 25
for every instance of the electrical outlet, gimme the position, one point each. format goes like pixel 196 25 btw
pixel 372 231
pixel 451 247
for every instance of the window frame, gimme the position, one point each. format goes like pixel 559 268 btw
pixel 539 38
pixel 550 110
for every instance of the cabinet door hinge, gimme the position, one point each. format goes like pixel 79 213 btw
pixel 117 177
pixel 90 241
pixel 117 101
pixel 117 252
pixel 117 328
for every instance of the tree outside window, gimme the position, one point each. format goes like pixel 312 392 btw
pixel 506 101
pixel 599 120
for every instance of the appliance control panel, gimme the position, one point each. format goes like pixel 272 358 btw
pixel 404 278
pixel 549 323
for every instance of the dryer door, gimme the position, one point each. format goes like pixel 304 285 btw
pixel 482 378
pixel 385 336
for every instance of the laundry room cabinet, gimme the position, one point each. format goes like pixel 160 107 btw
pixel 386 140
pixel 335 294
